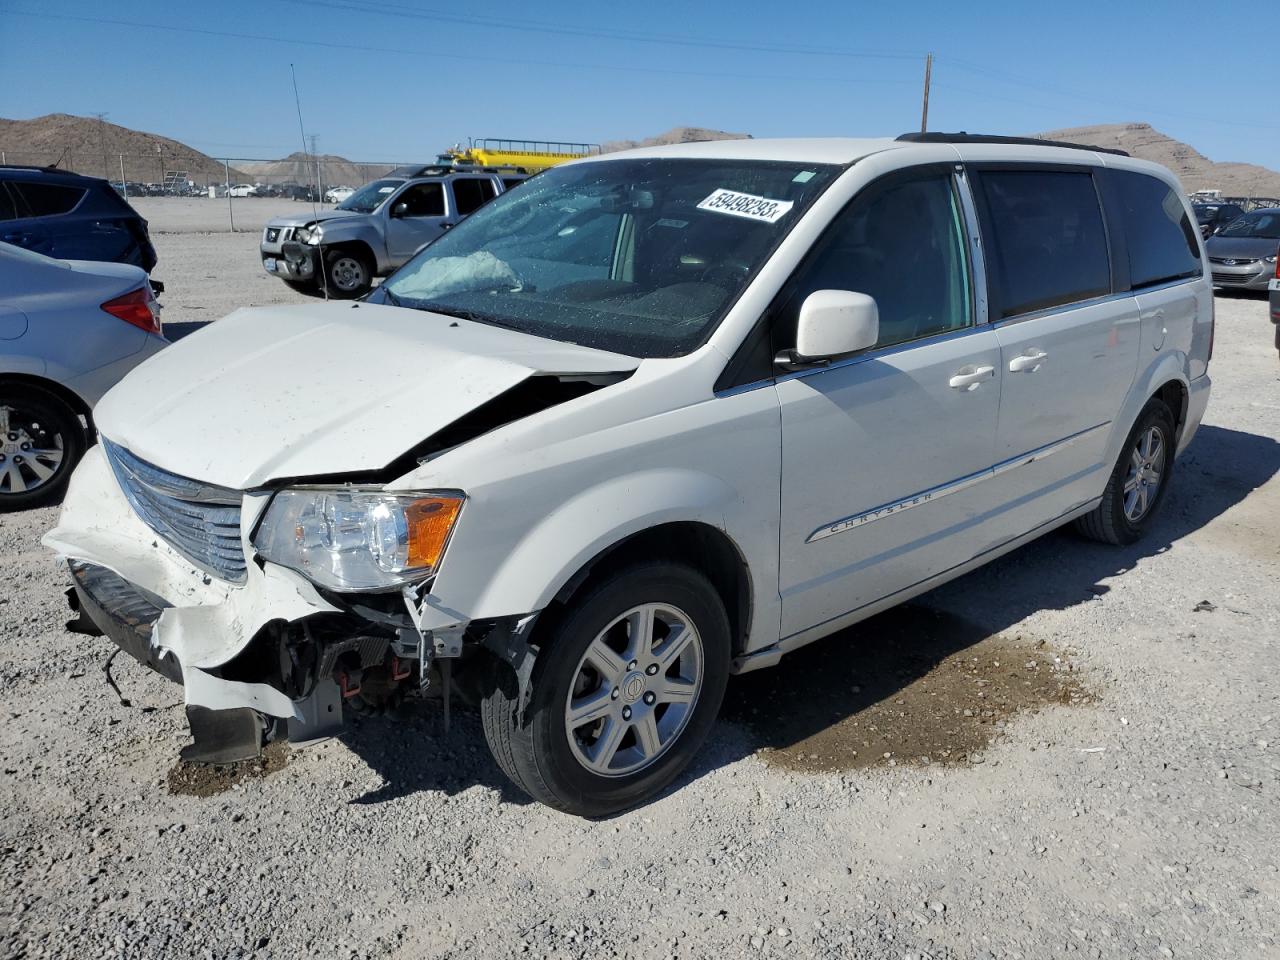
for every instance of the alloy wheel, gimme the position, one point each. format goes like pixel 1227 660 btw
pixel 30 452
pixel 1146 469
pixel 634 690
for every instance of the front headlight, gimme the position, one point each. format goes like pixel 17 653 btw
pixel 311 235
pixel 1269 259
pixel 348 539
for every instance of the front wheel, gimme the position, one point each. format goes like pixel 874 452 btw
pixel 625 690
pixel 1138 481
pixel 41 440
pixel 347 274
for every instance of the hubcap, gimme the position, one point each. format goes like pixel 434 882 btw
pixel 634 690
pixel 30 453
pixel 1146 469
pixel 347 273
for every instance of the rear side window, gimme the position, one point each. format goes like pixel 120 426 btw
pixel 470 194
pixel 507 184
pixel 1159 234
pixel 44 199
pixel 1046 242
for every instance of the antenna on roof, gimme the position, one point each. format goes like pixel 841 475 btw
pixel 315 212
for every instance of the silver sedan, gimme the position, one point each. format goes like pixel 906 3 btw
pixel 68 331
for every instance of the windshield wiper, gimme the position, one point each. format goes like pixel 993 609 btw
pixel 463 314
pixel 391 297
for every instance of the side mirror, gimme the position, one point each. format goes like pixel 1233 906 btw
pixel 834 323
pixel 399 210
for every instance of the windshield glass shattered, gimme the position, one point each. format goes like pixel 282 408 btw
pixel 1264 226
pixel 369 197
pixel 641 257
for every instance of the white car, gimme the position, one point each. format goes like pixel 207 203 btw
pixel 651 419
pixel 338 194
pixel 243 190
pixel 69 329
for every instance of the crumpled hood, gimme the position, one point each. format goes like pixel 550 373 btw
pixel 1241 248
pixel 304 391
pixel 314 217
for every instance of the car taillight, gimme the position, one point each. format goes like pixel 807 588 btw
pixel 137 307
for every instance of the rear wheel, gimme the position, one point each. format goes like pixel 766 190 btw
pixel 625 690
pixel 41 440
pixel 347 274
pixel 1138 481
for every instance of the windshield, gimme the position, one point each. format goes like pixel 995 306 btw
pixel 641 257
pixel 1259 226
pixel 369 197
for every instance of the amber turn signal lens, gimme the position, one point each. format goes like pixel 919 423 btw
pixel 430 521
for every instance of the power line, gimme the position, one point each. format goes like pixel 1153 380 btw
pixel 466 58
pixel 382 8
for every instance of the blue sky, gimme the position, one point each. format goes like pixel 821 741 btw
pixel 401 79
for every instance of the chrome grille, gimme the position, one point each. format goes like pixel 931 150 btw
pixel 1234 261
pixel 200 521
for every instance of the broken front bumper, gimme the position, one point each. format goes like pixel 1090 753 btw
pixel 246 654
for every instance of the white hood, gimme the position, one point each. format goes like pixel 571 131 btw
pixel 305 391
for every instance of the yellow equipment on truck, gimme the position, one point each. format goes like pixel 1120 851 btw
pixel 528 156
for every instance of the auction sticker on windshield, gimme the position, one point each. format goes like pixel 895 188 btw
pixel 746 205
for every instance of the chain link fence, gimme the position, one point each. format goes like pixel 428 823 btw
pixel 157 175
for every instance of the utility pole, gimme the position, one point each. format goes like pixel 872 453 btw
pixel 928 76
pixel 315 160
pixel 102 141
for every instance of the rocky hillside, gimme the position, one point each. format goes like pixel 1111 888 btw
pixel 1196 171
pixel 675 135
pixel 298 167
pixel 89 146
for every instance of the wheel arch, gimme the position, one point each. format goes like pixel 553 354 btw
pixel 719 559
pixel 62 392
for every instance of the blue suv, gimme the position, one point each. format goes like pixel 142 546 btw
pixel 70 217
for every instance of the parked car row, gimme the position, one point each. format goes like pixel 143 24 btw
pixel 633 426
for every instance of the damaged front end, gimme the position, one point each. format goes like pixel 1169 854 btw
pixel 262 651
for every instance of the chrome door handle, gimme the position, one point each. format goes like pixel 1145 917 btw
pixel 1028 361
pixel 970 378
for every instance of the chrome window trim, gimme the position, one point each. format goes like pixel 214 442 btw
pixel 885 351
pixel 952 486
pixel 977 256
pixel 1065 307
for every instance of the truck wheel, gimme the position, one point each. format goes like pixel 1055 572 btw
pixel 1138 482
pixel 41 440
pixel 624 691
pixel 347 274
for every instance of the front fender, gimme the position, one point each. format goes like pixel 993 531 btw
pixel 340 232
pixel 548 555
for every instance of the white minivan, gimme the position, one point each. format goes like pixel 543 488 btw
pixel 651 419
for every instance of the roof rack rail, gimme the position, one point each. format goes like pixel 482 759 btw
pixel 963 137
pixel 32 166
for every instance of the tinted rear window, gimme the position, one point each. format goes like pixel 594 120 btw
pixel 44 199
pixel 470 194
pixel 1047 246
pixel 1161 240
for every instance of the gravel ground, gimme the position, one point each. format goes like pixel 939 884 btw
pixel 1072 752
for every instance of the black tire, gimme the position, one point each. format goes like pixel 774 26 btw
pixel 1108 522
pixel 39 420
pixel 348 274
pixel 536 754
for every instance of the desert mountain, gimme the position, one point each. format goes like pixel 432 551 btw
pixel 1194 169
pixel 299 167
pixel 93 147
pixel 675 135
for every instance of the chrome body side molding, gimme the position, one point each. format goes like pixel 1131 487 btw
pixel 954 486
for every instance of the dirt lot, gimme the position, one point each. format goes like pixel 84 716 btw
pixel 1072 752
